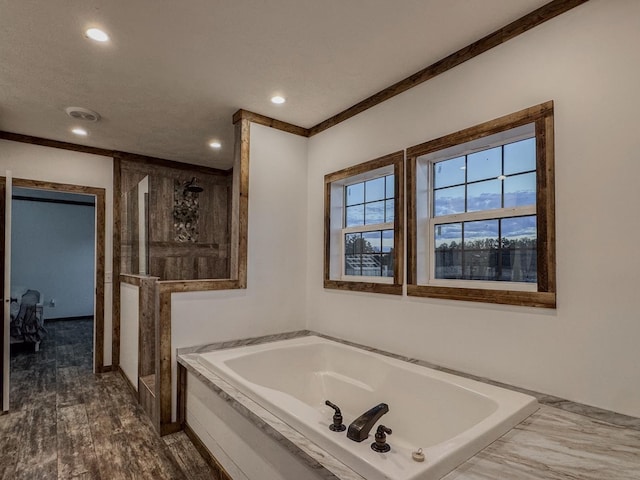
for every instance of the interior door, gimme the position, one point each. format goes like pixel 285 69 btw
pixel 5 283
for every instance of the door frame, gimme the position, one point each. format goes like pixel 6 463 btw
pixel 4 363
pixel 100 226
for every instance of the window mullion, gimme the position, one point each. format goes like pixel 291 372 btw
pixel 466 182
pixel 368 228
pixel 502 174
pixel 486 215
pixel 499 259
pixel 462 253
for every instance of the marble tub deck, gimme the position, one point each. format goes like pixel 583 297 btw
pixel 555 443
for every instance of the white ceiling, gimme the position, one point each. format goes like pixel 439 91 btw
pixel 175 71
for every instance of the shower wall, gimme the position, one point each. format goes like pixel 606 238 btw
pixel 187 233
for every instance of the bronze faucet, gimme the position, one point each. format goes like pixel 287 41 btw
pixel 361 426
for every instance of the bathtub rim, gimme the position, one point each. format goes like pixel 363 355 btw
pixel 508 409
pixel 596 413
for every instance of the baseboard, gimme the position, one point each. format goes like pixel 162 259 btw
pixel 132 388
pixel 169 428
pixel 104 369
pixel 206 454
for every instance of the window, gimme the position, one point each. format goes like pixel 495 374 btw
pixel 481 218
pixel 368 228
pixel 363 226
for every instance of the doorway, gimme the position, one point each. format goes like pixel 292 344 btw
pixel 65 310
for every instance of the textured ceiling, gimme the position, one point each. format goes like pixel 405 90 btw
pixel 176 71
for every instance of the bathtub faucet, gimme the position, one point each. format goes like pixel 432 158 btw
pixel 361 426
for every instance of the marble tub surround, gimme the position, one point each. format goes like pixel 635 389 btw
pixel 595 413
pixel 243 342
pixel 554 444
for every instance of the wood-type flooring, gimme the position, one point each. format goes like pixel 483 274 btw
pixel 67 423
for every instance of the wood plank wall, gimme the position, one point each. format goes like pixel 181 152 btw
pixel 169 259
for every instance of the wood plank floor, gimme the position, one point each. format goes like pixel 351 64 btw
pixel 67 423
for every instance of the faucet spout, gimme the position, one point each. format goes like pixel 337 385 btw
pixel 361 426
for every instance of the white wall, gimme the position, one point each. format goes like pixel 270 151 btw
pixel 53 251
pixel 587 349
pixel 35 162
pixel 129 331
pixel 274 300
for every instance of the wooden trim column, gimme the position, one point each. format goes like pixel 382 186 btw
pixel 240 203
pixel 163 363
pixel 4 320
pixel 115 273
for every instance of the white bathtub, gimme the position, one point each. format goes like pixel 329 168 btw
pixel 451 418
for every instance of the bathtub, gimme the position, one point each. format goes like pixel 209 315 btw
pixel 450 418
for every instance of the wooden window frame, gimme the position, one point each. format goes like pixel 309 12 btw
pixel 545 294
pixel 396 162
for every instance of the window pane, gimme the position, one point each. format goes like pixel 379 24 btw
pixel 371 264
pixel 481 247
pixel 481 234
pixel 387 241
pixel 363 253
pixel 520 156
pixel 355 194
pixel 374 213
pixel 372 241
pixel 352 243
pixel 387 264
pixel 448 255
pixel 389 215
pixel 484 195
pixel 484 164
pixel 355 216
pixel 352 265
pixel 448 172
pixel 448 201
pixel 390 186
pixel 519 249
pixel 374 190
pixel 520 190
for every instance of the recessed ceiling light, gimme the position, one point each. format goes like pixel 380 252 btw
pixel 277 99
pixel 79 131
pixel 215 144
pixel 97 35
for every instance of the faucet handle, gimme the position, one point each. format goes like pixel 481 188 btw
pixel 381 445
pixel 337 425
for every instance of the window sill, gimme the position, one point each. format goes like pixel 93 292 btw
pixel 505 297
pixel 483 285
pixel 366 279
pixel 370 287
